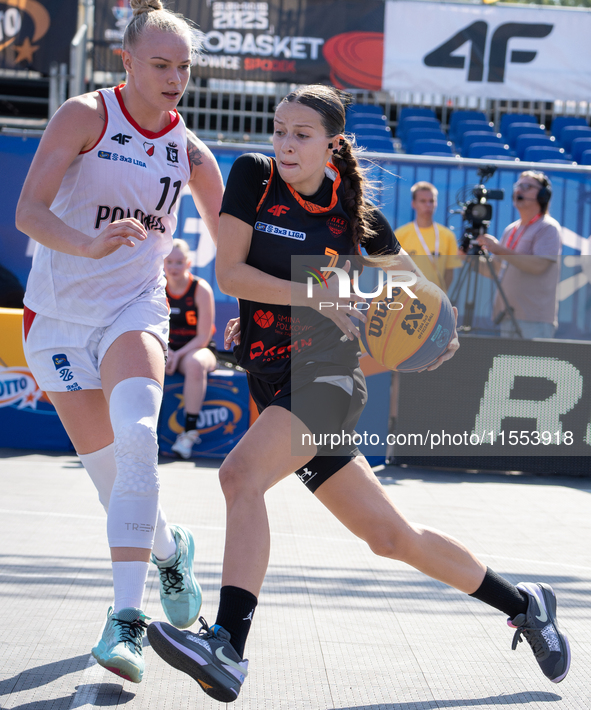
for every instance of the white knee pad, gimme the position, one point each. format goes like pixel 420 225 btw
pixel 133 507
pixel 102 469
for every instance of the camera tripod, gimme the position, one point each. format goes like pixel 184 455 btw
pixel 469 275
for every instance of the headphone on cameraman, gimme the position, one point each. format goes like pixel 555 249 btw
pixel 545 193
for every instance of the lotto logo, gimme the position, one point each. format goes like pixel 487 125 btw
pixel 265 320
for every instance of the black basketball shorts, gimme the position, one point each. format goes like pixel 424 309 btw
pixel 325 408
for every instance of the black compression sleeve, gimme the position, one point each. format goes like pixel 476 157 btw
pixel 245 186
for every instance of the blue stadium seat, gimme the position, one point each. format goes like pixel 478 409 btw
pixel 579 146
pixel 498 156
pixel 415 134
pixel 585 158
pixel 408 111
pixel 462 115
pixel 480 150
pixel 526 139
pixel 561 122
pixel 479 137
pixel 509 118
pixel 364 119
pixel 377 145
pixel 372 129
pixel 464 126
pixel 517 129
pixel 429 146
pixel 569 133
pixel 365 108
pixel 416 122
pixel 541 153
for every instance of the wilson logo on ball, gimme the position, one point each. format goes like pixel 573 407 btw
pixel 265 320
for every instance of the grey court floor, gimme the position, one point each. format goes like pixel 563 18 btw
pixel 336 627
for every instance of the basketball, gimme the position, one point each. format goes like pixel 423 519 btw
pixel 408 334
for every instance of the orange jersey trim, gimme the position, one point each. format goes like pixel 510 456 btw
pixel 310 206
pixel 266 189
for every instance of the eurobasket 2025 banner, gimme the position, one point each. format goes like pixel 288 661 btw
pixel 503 52
pixel 35 33
pixel 309 41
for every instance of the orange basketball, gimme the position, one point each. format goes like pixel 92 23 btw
pixel 409 334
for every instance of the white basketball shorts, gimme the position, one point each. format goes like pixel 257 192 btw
pixel 65 357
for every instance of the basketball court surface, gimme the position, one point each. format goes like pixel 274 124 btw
pixel 336 627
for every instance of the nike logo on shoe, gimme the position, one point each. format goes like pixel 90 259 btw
pixel 543 616
pixel 229 662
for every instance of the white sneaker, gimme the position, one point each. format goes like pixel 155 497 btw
pixel 183 446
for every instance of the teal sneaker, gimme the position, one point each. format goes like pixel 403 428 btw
pixel 120 648
pixel 180 593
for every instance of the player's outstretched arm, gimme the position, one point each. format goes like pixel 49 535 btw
pixel 206 184
pixel 76 127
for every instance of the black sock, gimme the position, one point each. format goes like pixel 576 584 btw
pixel 501 594
pixel 235 615
pixel 190 421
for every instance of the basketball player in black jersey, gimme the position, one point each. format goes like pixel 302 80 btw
pixel 190 348
pixel 274 209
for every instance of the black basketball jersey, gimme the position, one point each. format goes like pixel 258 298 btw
pixel 274 337
pixel 184 315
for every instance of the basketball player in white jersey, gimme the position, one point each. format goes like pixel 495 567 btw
pixel 100 200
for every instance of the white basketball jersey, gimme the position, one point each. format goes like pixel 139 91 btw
pixel 130 172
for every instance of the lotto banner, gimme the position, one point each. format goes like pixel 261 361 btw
pixel 508 52
pixel 326 41
pixel 35 33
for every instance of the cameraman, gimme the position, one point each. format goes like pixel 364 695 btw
pixel 526 259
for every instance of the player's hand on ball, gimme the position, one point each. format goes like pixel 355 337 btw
pixel 339 309
pixel 452 347
pixel 123 232
pixel 232 333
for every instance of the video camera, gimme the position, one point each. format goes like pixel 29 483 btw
pixel 477 212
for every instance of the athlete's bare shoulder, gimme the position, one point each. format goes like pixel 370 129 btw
pixel 80 120
pixel 195 149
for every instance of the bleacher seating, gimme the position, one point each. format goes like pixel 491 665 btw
pixel 461 115
pixel 561 122
pixel 509 118
pixel 516 129
pixel 487 150
pixel 372 129
pixel 432 146
pixel 365 108
pixel 585 158
pixel 569 133
pixel 377 145
pixel 413 122
pixel 526 139
pixel 579 146
pixel 415 134
pixel 478 137
pixel 542 153
pixel 408 111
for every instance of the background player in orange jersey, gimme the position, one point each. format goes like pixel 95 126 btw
pixel 309 202
pixel 191 350
pixel 100 199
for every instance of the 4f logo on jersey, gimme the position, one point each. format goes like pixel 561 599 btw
pixel 476 34
pixel 149 148
pixel 278 210
pixel 172 153
pixel 121 138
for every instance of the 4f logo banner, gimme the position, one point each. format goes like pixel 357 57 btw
pixel 479 50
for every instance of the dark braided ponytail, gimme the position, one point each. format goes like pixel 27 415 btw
pixel 330 104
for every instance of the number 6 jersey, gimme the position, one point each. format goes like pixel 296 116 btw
pixel 129 172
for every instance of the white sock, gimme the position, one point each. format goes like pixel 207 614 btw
pixel 129 582
pixel 164 542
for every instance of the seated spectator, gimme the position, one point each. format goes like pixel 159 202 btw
pixel 191 350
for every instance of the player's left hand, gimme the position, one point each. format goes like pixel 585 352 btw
pixel 452 347
pixel 232 333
